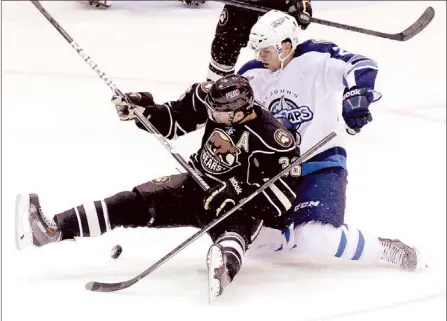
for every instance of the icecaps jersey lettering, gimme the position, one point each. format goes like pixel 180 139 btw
pixel 282 104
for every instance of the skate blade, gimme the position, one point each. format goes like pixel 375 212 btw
pixel 423 261
pixel 214 255
pixel 23 232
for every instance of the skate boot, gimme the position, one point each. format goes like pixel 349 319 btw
pixel 32 226
pixel 100 4
pixel 400 254
pixel 218 277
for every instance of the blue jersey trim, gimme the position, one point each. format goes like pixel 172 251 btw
pixel 333 157
pixel 363 68
pixel 252 64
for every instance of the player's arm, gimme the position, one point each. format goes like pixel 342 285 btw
pixel 172 119
pixel 353 74
pixel 345 70
pixel 356 76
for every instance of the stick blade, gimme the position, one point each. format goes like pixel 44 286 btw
pixel 107 287
pixel 419 25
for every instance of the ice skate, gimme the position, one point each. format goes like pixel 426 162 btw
pixel 100 4
pixel 218 277
pixel 32 226
pixel 400 254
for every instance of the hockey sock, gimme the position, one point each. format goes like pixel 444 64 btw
pixel 345 242
pixel 234 247
pixel 98 217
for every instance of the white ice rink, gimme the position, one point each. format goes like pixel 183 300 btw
pixel 61 138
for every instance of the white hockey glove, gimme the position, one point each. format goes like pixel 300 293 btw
pixel 141 100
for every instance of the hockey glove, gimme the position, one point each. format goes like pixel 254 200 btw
pixel 302 11
pixel 141 99
pixel 223 197
pixel 356 107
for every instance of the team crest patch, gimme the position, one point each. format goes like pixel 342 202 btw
pixel 219 154
pixel 161 180
pixel 206 86
pixel 223 19
pixel 283 138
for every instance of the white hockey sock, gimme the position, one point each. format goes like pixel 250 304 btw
pixel 317 239
pixel 217 71
pixel 234 248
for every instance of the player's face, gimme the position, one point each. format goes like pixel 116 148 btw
pixel 227 118
pixel 269 57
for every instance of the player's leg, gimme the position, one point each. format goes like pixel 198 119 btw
pixel 225 256
pixel 319 229
pixel 165 202
pixel 232 32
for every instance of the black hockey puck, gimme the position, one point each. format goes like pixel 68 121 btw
pixel 116 251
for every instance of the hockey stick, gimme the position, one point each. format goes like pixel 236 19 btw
pixel 110 287
pixel 408 33
pixel 139 115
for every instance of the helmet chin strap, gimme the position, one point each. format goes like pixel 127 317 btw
pixel 231 117
pixel 282 60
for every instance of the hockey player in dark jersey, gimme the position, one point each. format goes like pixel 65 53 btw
pixel 242 147
pixel 233 30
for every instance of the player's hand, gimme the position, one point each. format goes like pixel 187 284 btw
pixel 140 99
pixel 302 11
pixel 223 197
pixel 356 101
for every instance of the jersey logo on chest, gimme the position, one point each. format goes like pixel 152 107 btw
pixel 219 154
pixel 286 108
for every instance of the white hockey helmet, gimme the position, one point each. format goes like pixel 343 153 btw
pixel 272 29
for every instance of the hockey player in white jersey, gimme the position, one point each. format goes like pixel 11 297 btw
pixel 305 85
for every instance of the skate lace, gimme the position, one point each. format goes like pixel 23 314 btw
pixel 393 253
pixel 46 220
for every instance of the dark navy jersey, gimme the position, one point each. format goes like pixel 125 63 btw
pixel 245 155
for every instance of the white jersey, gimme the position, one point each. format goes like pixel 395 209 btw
pixel 308 92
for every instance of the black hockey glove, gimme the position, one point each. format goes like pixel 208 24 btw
pixel 356 102
pixel 141 99
pixel 302 11
pixel 223 197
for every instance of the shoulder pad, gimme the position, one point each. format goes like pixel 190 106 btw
pixel 314 45
pixel 250 65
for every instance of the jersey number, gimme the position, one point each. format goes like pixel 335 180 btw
pixel 295 171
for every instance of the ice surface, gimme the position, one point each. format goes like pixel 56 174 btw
pixel 62 139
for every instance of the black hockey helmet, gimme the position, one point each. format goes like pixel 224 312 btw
pixel 230 95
